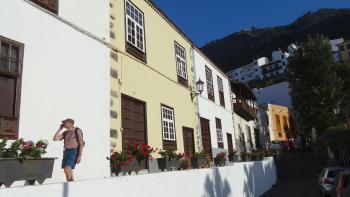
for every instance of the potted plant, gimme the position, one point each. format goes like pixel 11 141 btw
pixel 232 156
pixel 169 159
pixel 199 159
pixel 257 155
pixel 220 159
pixel 185 163
pixel 23 161
pixel 117 161
pixel 244 156
pixel 138 154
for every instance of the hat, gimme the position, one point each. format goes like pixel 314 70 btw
pixel 68 120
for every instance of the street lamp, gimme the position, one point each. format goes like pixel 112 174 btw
pixel 199 88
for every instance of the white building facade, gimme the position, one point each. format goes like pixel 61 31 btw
pixel 215 107
pixel 60 68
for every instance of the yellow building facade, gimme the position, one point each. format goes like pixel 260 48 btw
pixel 344 49
pixel 280 121
pixel 151 80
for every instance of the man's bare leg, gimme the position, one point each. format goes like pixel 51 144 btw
pixel 69 173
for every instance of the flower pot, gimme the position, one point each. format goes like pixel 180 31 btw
pixel 133 166
pixel 173 164
pixel 198 162
pixel 162 164
pixel 30 170
pixel 232 157
pixel 219 162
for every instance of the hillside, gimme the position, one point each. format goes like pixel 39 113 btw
pixel 240 48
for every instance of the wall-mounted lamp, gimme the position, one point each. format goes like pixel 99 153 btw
pixel 199 87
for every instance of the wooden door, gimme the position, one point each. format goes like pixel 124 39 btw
pixel 206 139
pixel 133 121
pixel 188 135
pixel 229 142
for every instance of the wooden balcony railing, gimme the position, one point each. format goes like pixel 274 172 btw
pixel 244 110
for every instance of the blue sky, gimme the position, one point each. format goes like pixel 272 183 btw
pixel 206 20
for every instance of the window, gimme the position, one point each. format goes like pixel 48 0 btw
pixel 285 122
pixel 210 87
pixel 50 5
pixel 221 91
pixel 348 46
pixel 279 134
pixel 341 47
pixel 135 35
pixel 278 122
pixel 219 133
pixel 180 55
pixel 168 123
pixel 249 133
pixel 10 83
pixel 349 55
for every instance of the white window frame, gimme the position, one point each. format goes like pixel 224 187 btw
pixel 169 132
pixel 137 28
pixel 219 135
pixel 181 65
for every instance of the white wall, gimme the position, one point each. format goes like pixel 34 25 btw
pixel 65 74
pixel 207 108
pixel 276 94
pixel 91 15
pixel 247 179
pixel 238 120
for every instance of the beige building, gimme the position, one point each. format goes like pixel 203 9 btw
pixel 151 80
pixel 280 121
pixel 344 49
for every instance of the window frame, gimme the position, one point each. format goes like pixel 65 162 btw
pixel 219 132
pixel 278 122
pixel 221 91
pixel 168 121
pixel 210 83
pixel 130 47
pixel 17 76
pixel 180 77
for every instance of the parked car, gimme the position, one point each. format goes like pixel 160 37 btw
pixel 326 179
pixel 342 185
pixel 276 145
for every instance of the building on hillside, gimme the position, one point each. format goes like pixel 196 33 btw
pixel 54 65
pixel 249 72
pixel 344 49
pixel 244 116
pixel 278 94
pixel 152 80
pixel 279 121
pixel 263 69
pixel 215 107
pixel 335 48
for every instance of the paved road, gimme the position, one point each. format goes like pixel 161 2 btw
pixel 296 173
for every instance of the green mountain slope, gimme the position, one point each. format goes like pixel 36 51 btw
pixel 241 48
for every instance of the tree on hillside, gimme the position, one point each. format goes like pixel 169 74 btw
pixel 315 85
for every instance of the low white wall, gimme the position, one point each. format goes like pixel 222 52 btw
pixel 241 179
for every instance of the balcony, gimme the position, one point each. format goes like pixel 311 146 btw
pixel 244 110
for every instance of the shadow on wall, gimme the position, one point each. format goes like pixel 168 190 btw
pixel 256 174
pixel 216 187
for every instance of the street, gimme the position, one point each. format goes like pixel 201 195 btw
pixel 296 176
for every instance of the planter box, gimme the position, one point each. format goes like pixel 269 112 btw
pixel 219 162
pixel 198 162
pixel 133 166
pixel 29 170
pixel 173 164
pixel 165 163
pixel 233 157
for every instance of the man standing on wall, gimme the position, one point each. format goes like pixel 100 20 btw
pixel 73 146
